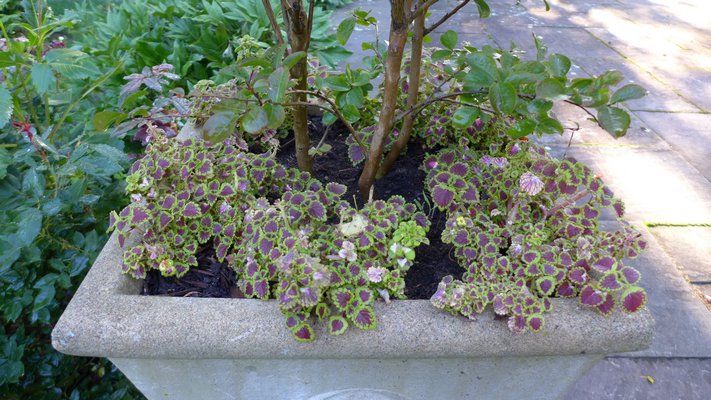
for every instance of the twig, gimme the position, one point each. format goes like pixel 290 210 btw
pixel 309 23
pixel 570 200
pixel 334 110
pixel 323 137
pixel 445 17
pixel 421 8
pixel 273 21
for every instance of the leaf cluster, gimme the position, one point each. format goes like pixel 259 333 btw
pixel 526 227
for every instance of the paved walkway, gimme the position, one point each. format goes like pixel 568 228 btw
pixel 662 168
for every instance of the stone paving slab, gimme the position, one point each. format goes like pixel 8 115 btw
pixel 691 246
pixel 683 323
pixel 627 378
pixel 656 185
pixel 660 97
pixel 590 134
pixel 688 134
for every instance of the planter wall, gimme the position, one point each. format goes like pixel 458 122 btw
pixel 189 348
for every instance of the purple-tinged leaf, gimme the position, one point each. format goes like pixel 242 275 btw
pixel 216 228
pixel 461 238
pixel 545 285
pixel 229 231
pixel 317 211
pixel 499 307
pixel 604 264
pixel 517 323
pixel 530 183
pixel 565 290
pixel 364 318
pixel 292 321
pixel 341 298
pixel 221 251
pixel 633 299
pixel 303 333
pixel 565 259
pixel 190 210
pixel 258 175
pixel 591 297
pixel 336 189
pixel 631 275
pixel 164 219
pixel 138 215
pixel 530 257
pixel 261 289
pixel 609 281
pixel 442 197
pixel 337 325
pixel 265 246
pixel 365 296
pixel 227 190
pixel 309 297
pixel 607 306
pixel 459 169
pixel 532 270
pixel 535 322
pixel 322 311
pixel 572 230
pixel 168 202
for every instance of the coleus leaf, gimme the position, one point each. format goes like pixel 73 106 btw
pixel 633 299
pixel 517 323
pixel 604 264
pixel 303 332
pixel 341 298
pixel 589 296
pixel 190 210
pixel 337 325
pixel 545 285
pixel 364 318
pixel 609 281
pixel 535 322
pixel 607 306
pixel 322 311
pixel 442 196
pixel 630 274
pixel 578 275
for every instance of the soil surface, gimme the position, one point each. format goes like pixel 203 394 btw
pixel 433 261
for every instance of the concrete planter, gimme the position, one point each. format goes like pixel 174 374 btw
pixel 190 348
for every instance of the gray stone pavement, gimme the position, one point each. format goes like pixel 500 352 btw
pixel 661 169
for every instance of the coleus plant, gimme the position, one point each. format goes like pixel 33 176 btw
pixel 320 257
pixel 186 193
pixel 286 235
pixel 526 228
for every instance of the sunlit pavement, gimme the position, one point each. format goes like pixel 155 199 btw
pixel 661 169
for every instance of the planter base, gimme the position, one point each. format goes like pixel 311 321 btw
pixel 545 377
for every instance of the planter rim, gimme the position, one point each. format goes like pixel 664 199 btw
pixel 107 318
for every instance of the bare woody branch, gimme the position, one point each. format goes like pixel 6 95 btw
pixel 447 16
pixel 272 20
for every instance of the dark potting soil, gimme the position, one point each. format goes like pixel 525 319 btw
pixel 432 263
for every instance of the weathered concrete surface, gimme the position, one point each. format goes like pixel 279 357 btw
pixel 627 378
pixel 106 318
pixel 363 379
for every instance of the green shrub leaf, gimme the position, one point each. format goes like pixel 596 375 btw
pixel 614 120
pixel 345 29
pixel 628 92
pixel 5 106
pixel 449 39
pixel 42 77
